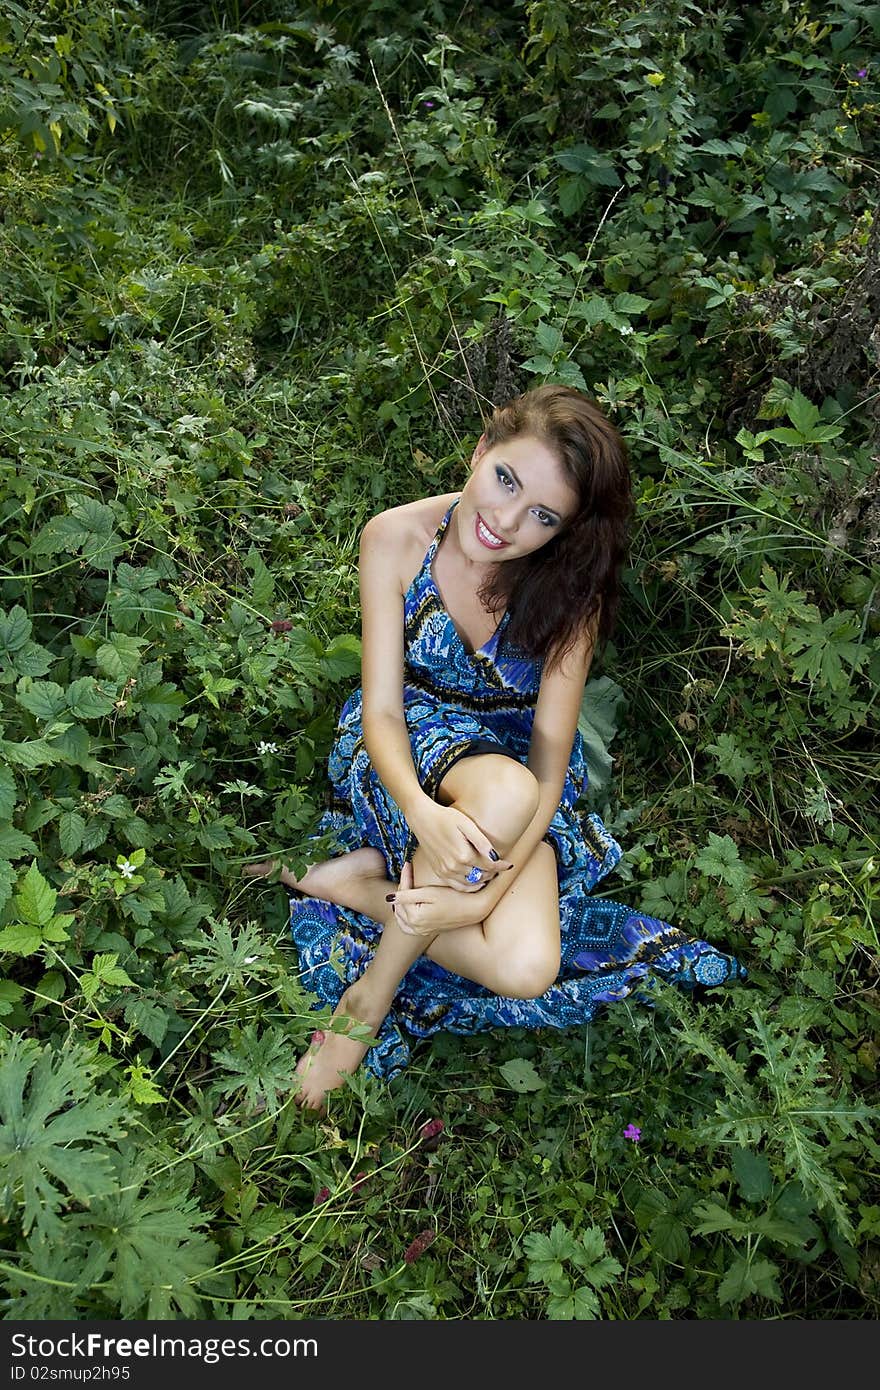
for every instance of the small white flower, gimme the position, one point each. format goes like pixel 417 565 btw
pixel 263 747
pixel 450 260
pixel 249 960
pixel 127 870
pixel 625 330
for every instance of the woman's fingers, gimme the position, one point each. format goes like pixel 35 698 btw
pixel 407 916
pixel 481 852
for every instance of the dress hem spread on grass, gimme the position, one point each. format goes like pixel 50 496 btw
pixel 453 700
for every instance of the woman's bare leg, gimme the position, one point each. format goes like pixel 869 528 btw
pixel 333 880
pixel 511 952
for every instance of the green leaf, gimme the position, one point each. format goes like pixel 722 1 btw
pixel 71 831
pixel 35 900
pixel 120 657
pixel 592 167
pixel 221 957
pixel 7 882
pixel 593 310
pixel 8 794
pixel 31 660
pixel 261 1065
pixel 13 844
pixel 630 304
pixel 262 584
pixel 745 1277
pixel 731 760
pixel 21 940
pixel 142 1242
pixel 141 1087
pixel 572 193
pixel 720 859
pixel 43 699
pixel 669 1237
pixel 10 994
pixel 214 835
pixel 802 413
pixel 753 1174
pixel 584 1304
pixel 105 973
pixel 53 1128
pixel 827 650
pixel 164 701
pixel 550 340
pixel 148 1018
pixel 521 1076
pixel 598 722
pixel 35 752
pixel 541 365
pixel 546 1254
pixel 560 1307
pixel 746 904
pixel 87 529
pixel 342 657
pixel 88 699
pixel 576 158
pixel 15 629
pixel 143 905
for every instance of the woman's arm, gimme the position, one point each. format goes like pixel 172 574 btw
pixel 382 614
pixel 428 910
pixel 451 840
pixel 556 716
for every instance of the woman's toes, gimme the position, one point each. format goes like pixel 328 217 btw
pixel 260 870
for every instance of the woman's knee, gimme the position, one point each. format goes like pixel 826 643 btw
pixel 528 973
pixel 499 793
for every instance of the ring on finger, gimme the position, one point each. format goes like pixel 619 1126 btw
pixel 474 875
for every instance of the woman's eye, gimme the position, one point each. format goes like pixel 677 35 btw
pixel 504 478
pixel 544 519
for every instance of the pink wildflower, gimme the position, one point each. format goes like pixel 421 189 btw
pixel 432 1129
pixel 632 1132
pixel 418 1247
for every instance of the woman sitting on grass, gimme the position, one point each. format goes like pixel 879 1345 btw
pixel 464 900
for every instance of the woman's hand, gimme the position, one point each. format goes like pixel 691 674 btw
pixel 455 847
pixel 432 909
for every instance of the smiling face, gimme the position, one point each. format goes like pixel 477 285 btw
pixel 515 501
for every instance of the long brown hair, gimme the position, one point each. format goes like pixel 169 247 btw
pixel 553 594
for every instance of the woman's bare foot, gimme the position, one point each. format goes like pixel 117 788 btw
pixel 338 880
pixel 333 1056
pixel 335 879
pixel 267 867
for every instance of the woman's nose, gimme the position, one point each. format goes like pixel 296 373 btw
pixel 510 518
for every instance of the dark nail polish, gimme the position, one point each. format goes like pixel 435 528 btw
pixel 390 897
pixel 494 855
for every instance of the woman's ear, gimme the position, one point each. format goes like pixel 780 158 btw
pixel 479 451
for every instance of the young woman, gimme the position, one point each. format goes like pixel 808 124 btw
pixel 463 902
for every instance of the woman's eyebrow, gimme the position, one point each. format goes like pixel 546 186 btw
pixel 539 505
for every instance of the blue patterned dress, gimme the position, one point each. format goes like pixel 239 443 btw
pixel 454 699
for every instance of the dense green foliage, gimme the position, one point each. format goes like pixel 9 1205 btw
pixel 261 268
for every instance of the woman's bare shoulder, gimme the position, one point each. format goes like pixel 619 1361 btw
pixel 405 532
pixel 402 534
